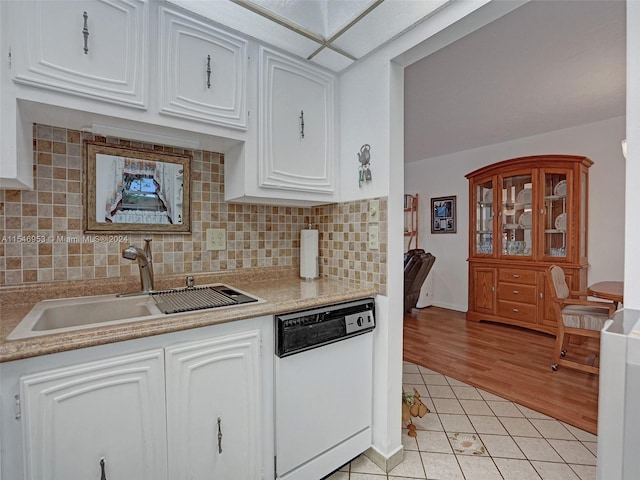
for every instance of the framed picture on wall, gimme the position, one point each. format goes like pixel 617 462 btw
pixel 443 214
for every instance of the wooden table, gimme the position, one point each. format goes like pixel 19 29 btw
pixel 607 290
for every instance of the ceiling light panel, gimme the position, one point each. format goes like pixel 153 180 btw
pixel 239 18
pixel 310 15
pixel 331 60
pixel 389 19
pixel 341 12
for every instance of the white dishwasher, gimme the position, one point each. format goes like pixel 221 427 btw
pixel 323 388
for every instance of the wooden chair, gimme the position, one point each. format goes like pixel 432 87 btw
pixel 575 316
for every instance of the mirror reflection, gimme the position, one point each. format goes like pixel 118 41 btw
pixel 136 190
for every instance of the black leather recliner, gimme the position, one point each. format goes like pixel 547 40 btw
pixel 417 265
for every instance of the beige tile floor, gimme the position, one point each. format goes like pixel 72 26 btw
pixel 471 434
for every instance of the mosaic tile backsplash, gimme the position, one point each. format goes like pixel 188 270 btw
pixel 41 237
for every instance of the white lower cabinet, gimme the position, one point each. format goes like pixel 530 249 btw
pixel 190 405
pixel 98 420
pixel 213 400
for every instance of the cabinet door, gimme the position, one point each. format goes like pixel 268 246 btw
pixel 213 399
pixel 484 289
pixel 518 214
pixel 556 214
pixel 547 316
pixel 91 48
pixel 296 128
pixel 102 415
pixel 483 221
pixel 203 71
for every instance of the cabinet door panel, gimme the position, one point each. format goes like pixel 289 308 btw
pixel 484 281
pixel 296 128
pixel 112 410
pixel 110 65
pixel 548 316
pixel 211 381
pixel 203 71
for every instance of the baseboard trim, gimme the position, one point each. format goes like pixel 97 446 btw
pixel 385 463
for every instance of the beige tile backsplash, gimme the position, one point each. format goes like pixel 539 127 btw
pixel 41 237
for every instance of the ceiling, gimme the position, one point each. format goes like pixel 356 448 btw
pixel 545 66
pixel 331 33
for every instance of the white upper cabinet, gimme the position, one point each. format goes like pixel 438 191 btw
pixel 203 71
pixel 296 144
pixel 105 417
pixel 91 48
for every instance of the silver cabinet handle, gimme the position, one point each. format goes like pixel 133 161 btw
pixel 515 292
pixel 208 71
pixel 516 310
pixel 85 33
pixel 301 123
pixel 103 475
pixel 219 435
pixel 493 289
pixel 516 276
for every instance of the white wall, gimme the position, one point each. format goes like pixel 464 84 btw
pixel 632 252
pixel 444 175
pixel 371 111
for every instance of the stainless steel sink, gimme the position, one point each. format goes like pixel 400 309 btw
pixel 70 314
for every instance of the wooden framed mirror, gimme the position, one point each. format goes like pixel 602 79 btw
pixel 128 189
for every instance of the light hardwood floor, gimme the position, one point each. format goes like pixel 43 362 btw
pixel 511 362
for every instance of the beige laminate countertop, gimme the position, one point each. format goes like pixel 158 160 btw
pixel 281 289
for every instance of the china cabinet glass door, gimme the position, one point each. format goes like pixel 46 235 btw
pixel 555 214
pixel 517 215
pixel 484 218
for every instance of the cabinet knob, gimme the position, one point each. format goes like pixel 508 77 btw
pixel 219 435
pixel 301 123
pixel 208 71
pixel 516 310
pixel 515 292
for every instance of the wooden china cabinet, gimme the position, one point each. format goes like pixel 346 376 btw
pixel 526 214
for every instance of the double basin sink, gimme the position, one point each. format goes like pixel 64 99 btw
pixel 70 314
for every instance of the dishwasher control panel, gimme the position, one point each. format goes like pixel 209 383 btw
pixel 297 332
pixel 359 321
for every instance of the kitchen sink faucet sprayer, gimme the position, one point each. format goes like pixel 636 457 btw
pixel 145 263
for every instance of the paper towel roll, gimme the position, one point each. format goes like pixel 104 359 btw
pixel 309 254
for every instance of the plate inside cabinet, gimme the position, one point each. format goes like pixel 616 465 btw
pixel 525 220
pixel 524 196
pixel 560 189
pixel 488 224
pixel 488 195
pixel 561 222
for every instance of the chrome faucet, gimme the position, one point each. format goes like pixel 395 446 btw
pixel 145 263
